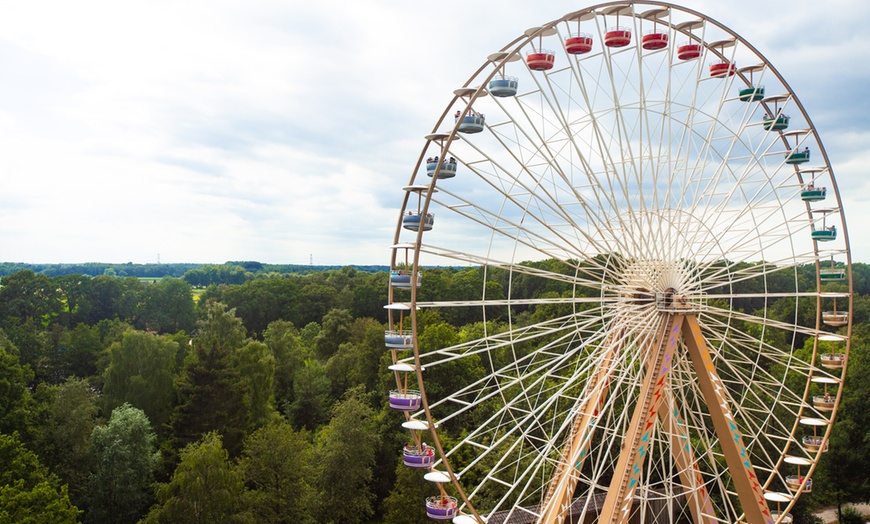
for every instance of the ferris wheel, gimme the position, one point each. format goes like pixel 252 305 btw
pixel 660 322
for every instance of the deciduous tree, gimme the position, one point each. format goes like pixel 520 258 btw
pixel 205 489
pixel 141 371
pixel 335 332
pixel 284 342
pixel 29 493
pixel 260 302
pixel 256 366
pixel 311 399
pixel 345 458
pixel 278 467
pixel 15 399
pixel 67 434
pixel 123 460
pixel 167 306
pixel 406 504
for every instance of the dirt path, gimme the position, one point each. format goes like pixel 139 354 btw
pixel 829 515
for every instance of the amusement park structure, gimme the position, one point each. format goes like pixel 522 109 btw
pixel 664 319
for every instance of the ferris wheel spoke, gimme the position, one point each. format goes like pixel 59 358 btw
pixel 505 339
pixel 504 182
pixel 594 182
pixel 562 331
pixel 555 244
pixel 529 418
pixel 752 239
pixel 760 321
pixel 525 371
pixel 590 268
pixel 532 419
pixel 513 302
pixel 747 296
pixel 718 274
pixel 576 446
pixel 681 448
pixel 528 422
pixel 519 481
pixel 517 187
pixel 740 347
pixel 743 360
pixel 756 388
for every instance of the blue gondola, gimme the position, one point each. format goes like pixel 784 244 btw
pixel 472 124
pixel 412 221
pixel 448 168
pixel 504 87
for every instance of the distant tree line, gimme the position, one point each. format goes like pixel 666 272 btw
pixel 195 274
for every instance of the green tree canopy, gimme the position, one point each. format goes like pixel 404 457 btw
pixel 205 489
pixel 345 457
pixel 311 398
pixel 29 493
pixel 278 467
pixel 211 392
pixel 406 504
pixel 123 459
pixel 335 332
pixel 141 371
pixel 284 342
pixel 29 296
pixel 256 366
pixel 262 301
pixel 66 436
pixel 15 399
pixel 167 306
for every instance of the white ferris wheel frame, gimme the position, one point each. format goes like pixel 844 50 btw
pixel 663 222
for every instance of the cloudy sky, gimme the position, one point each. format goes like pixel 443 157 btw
pixel 282 131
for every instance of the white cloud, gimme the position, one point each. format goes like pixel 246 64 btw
pixel 272 130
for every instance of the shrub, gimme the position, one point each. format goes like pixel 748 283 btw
pixel 852 516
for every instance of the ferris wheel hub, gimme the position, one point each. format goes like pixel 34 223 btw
pixel 673 302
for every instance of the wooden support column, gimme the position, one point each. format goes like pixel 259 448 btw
pixel 746 482
pixel 626 476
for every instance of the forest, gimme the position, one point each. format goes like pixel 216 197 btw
pixel 247 394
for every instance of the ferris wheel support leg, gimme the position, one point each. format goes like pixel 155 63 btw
pixel 626 476
pixel 746 483
pixel 576 448
pixel 697 497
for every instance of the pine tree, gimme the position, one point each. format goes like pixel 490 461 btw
pixel 210 389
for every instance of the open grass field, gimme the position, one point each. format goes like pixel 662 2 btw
pixel 197 291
